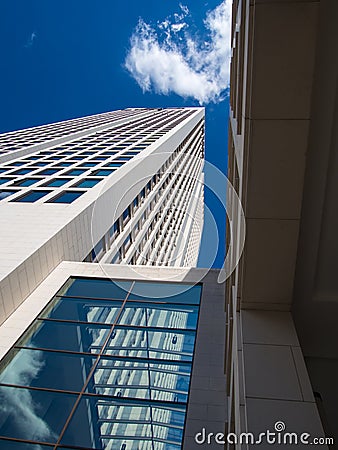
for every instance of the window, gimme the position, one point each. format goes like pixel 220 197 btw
pixel 48 172
pixel 66 197
pixel 88 183
pixel 102 172
pixel 126 214
pixel 26 182
pixel 116 258
pixel 5 194
pixel 22 171
pixel 5 180
pixel 16 163
pixel 88 164
pixel 57 182
pixel 98 250
pixel 114 229
pixel 75 172
pixel 64 164
pixel 32 196
pixel 114 164
pixel 127 243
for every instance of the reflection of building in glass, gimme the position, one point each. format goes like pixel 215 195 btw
pixel 109 364
pixel 120 187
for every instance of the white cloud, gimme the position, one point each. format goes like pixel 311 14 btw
pixel 184 9
pixel 18 404
pixel 178 26
pixel 180 62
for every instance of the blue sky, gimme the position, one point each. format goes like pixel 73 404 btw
pixel 67 59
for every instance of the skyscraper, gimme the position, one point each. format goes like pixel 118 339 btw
pixel 93 353
pixel 119 187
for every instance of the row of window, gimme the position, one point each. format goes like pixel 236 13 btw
pixel 15 140
pixel 34 196
pixel 10 172
pixel 120 224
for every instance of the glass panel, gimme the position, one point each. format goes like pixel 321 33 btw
pixel 82 310
pixel 66 197
pixel 102 172
pixel 32 196
pixel 96 288
pixel 107 419
pixel 66 336
pixel 51 370
pixel 151 344
pixel 171 292
pixel 58 182
pixel 88 164
pixel 27 182
pixel 114 164
pixel 32 414
pixel 22 171
pixel 5 194
pixel 75 172
pixel 64 164
pixel 168 433
pixel 167 316
pixel 5 180
pixel 132 378
pixel 90 182
pixel 48 172
pixel 15 445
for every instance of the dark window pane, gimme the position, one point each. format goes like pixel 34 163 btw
pixel 5 180
pixel 82 310
pixel 96 288
pixel 26 182
pixel 4 194
pixel 132 378
pixel 174 345
pixel 114 164
pixel 75 172
pixel 64 164
pixel 103 172
pixel 171 292
pixel 57 182
pixel 34 415
pixel 66 336
pixel 66 197
pixel 88 164
pixel 48 172
pixel 32 196
pixel 15 445
pixel 51 370
pixel 90 182
pixel 22 171
pixel 152 315
pixel 93 411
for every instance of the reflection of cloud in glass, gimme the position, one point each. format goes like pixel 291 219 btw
pixel 16 404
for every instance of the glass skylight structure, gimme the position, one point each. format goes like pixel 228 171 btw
pixel 106 365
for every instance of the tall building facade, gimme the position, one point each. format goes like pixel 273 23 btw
pixel 94 353
pixel 123 187
pixel 282 354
